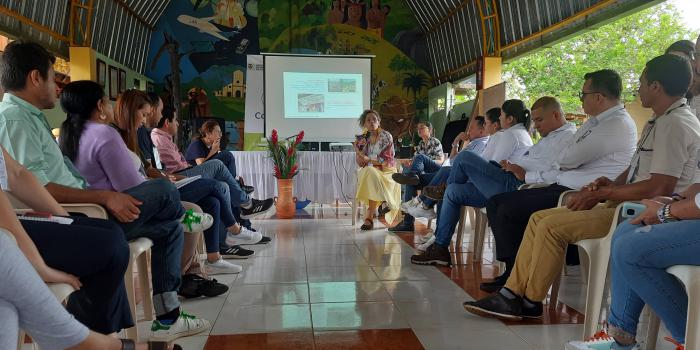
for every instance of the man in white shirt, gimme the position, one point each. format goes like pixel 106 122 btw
pixel 487 179
pixel 602 146
pixel 665 162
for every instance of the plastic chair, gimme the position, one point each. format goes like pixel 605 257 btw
pixel 689 275
pixel 139 253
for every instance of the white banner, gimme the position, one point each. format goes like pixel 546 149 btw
pixel 255 96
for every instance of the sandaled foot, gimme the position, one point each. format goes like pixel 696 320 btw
pixel 368 225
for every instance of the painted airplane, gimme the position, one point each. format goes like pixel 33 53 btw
pixel 203 24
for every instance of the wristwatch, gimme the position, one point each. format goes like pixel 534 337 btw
pixel 665 216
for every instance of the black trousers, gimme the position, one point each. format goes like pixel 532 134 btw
pixel 510 212
pixel 95 251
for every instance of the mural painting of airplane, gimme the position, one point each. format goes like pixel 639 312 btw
pixel 203 24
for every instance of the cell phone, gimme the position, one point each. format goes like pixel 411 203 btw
pixel 631 210
pixel 38 214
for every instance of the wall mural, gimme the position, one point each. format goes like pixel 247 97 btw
pixel 207 40
pixel 384 28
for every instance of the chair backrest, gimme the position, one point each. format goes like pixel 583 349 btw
pixel 452 129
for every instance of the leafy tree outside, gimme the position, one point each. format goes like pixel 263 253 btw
pixel 624 45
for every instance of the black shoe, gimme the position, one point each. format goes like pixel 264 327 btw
pixel 248 189
pixel 495 285
pixel 236 252
pixel 211 288
pixel 258 207
pixel 434 255
pixel 406 179
pixel 194 286
pixel 534 311
pixel 497 306
pixel 403 226
pixel 436 192
pixel 264 240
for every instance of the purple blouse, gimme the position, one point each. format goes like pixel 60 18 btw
pixel 104 160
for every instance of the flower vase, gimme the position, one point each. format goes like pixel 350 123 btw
pixel 286 208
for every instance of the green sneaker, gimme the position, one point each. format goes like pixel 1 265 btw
pixel 184 326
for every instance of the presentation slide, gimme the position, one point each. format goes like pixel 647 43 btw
pixel 322 95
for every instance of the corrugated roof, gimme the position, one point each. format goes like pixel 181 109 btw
pixel 455 33
pixel 121 29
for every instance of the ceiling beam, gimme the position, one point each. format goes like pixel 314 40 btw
pixel 35 25
pixel 134 14
pixel 449 15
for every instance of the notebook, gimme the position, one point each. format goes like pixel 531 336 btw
pixel 186 181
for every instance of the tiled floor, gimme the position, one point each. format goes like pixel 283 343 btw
pixel 322 284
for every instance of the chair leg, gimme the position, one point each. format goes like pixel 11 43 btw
pixel 480 237
pixel 554 292
pixel 131 333
pixel 477 229
pixel 354 212
pixel 460 229
pixel 145 284
pixel 598 260
pixel 652 330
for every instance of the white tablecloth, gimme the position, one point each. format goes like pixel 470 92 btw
pixel 324 176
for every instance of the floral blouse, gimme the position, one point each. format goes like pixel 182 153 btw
pixel 382 150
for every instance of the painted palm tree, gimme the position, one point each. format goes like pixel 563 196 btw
pixel 414 83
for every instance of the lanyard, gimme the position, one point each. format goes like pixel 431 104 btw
pixel 637 153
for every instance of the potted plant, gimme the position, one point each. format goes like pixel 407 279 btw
pixel 284 157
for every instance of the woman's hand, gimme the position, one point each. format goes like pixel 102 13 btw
pixel 215 147
pixel 51 275
pixel 648 217
pixel 361 160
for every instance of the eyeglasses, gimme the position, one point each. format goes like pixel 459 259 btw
pixel 583 94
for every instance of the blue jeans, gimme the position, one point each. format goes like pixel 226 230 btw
pixel 489 178
pixel 229 161
pixel 215 169
pixel 422 164
pixel 464 163
pixel 213 197
pixel 159 221
pixel 638 260
pixel 438 178
pixel 456 196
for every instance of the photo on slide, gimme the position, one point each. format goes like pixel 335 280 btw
pixel 341 85
pixel 310 103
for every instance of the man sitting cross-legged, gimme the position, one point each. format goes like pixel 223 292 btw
pixel 665 162
pixel 487 178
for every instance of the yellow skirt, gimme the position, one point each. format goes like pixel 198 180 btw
pixel 377 185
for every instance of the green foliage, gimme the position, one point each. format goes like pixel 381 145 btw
pixel 624 45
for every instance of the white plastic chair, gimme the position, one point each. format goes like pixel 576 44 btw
pixel 689 275
pixel 139 253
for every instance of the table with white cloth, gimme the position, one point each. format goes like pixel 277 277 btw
pixel 324 177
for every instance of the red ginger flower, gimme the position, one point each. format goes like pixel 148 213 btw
pixel 300 137
pixel 277 172
pixel 294 170
pixel 274 137
pixel 290 151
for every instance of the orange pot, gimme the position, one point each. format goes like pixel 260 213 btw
pixel 286 208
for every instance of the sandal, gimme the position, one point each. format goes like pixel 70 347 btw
pixel 128 344
pixel 367 225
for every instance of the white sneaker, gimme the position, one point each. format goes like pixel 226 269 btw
pixel 184 326
pixel 420 212
pixel 221 267
pixel 411 203
pixel 425 238
pixel 604 342
pixel 196 222
pixel 423 247
pixel 245 237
